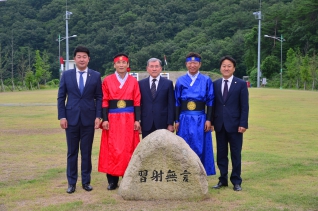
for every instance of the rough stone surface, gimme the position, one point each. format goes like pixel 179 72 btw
pixel 164 151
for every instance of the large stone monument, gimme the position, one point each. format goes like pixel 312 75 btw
pixel 163 166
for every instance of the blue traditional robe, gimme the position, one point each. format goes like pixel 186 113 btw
pixel 191 123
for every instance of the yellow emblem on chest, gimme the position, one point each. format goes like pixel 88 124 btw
pixel 121 104
pixel 191 105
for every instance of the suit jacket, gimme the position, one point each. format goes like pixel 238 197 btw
pixel 86 107
pixel 233 113
pixel 159 110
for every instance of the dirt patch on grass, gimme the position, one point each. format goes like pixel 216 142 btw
pixel 100 198
pixel 32 131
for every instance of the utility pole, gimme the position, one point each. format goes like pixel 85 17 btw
pixel 258 16
pixel 12 75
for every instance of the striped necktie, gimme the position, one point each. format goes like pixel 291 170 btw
pixel 225 90
pixel 153 88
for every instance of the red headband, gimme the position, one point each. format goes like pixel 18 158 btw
pixel 121 58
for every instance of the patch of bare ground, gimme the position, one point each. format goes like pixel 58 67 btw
pixel 32 131
pixel 247 163
pixel 102 199
pixel 25 171
pixel 116 202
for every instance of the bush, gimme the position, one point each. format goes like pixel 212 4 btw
pixel 53 83
pixel 43 86
pixel 56 81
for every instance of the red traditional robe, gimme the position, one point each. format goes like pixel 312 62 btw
pixel 119 142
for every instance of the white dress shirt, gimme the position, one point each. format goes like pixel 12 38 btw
pixel 84 76
pixel 229 81
pixel 156 82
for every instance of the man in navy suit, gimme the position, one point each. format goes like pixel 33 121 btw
pixel 157 100
pixel 230 121
pixel 79 111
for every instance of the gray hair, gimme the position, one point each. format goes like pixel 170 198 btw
pixel 153 60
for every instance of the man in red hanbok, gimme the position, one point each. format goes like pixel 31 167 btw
pixel 121 121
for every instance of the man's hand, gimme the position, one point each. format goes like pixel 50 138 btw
pixel 137 125
pixel 105 125
pixel 63 123
pixel 170 128
pixel 207 126
pixel 241 129
pixel 97 123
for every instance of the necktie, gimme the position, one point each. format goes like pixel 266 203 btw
pixel 225 90
pixel 81 82
pixel 153 88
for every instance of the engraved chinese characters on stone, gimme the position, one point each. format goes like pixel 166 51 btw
pixel 157 176
pixel 163 166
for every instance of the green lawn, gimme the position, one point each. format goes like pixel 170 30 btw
pixel 280 158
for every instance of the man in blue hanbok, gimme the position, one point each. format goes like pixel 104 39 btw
pixel 194 101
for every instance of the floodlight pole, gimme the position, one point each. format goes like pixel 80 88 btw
pixel 59 40
pixel 281 40
pixel 67 17
pixel 281 61
pixel 258 16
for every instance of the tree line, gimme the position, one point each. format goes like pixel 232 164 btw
pixel 29 30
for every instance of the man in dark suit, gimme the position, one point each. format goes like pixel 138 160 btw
pixel 81 90
pixel 157 100
pixel 230 121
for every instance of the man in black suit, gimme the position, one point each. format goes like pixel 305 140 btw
pixel 230 121
pixel 79 106
pixel 157 100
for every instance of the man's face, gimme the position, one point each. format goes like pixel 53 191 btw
pixel 81 60
pixel 154 69
pixel 121 66
pixel 227 69
pixel 193 67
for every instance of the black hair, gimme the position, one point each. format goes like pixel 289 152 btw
pixel 121 54
pixel 193 54
pixel 228 58
pixel 81 49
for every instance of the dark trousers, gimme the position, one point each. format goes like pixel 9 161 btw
pixel 112 179
pixel 235 141
pixel 79 137
pixel 147 132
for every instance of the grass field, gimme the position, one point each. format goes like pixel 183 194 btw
pixel 280 158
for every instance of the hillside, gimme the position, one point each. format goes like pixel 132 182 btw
pixel 154 28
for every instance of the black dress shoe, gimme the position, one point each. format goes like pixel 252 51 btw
pixel 112 186
pixel 237 187
pixel 71 189
pixel 87 187
pixel 219 185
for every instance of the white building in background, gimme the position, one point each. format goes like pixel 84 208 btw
pixel 164 75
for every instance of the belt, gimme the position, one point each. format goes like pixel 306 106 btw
pixel 192 106
pixel 120 103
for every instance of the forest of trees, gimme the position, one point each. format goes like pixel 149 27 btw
pixel 29 29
